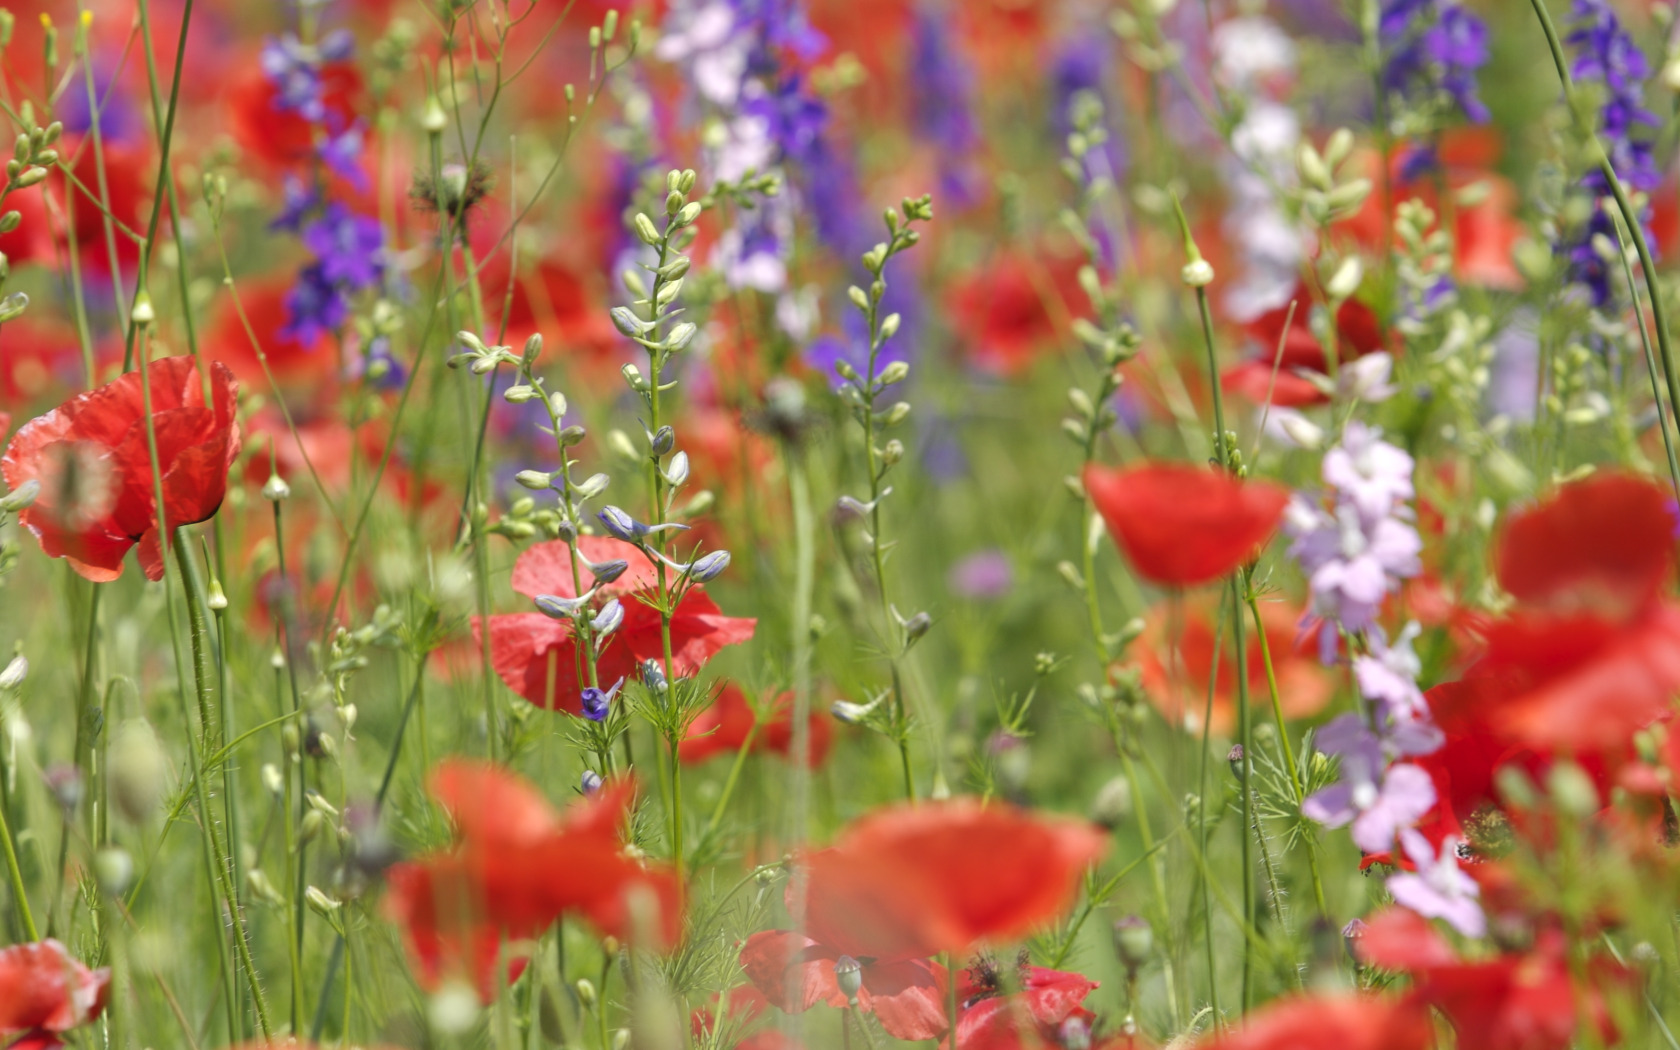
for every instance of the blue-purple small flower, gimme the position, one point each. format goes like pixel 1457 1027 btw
pixel 598 702
pixel 1433 49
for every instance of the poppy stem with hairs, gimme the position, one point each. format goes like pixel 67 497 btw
pixel 1647 264
pixel 198 619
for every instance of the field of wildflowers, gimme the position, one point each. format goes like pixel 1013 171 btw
pixel 808 524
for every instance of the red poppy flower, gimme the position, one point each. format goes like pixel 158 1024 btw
pixel 1182 525
pixel 1178 659
pixel 1285 355
pixel 1592 651
pixel 1516 1001
pixel 1012 307
pixel 907 882
pixel 45 991
pixel 518 868
pixel 1485 224
pixel 94 465
pixel 538 657
pixel 312 364
pixel 994 1018
pixel 1331 1022
pixel 284 139
pixel 726 726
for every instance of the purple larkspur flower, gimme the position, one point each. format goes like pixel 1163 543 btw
pixel 1379 803
pixel 350 248
pixel 1606 55
pixel 1359 548
pixel 1438 889
pixel 983 574
pixel 596 703
pixel 314 306
pixel 942 102
pixel 1434 48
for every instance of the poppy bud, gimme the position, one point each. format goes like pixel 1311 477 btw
pixel 135 770
pixel 1134 941
pixel 453 1008
pixel 628 325
pixel 114 869
pixel 271 779
pixel 690 212
pixel 1345 281
pixel 1197 273
pixel 519 394
pixel 917 626
pixel 275 489
pixel 217 598
pixel 848 974
pixel 893 452
pixel 662 441
pixel 897 414
pixel 432 117
pixel 586 989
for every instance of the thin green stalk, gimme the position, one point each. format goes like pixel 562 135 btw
pixel 20 896
pixel 1663 416
pixel 1245 731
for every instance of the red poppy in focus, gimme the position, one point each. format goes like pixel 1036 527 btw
pixel 1012 307
pixel 1592 651
pixel 91 458
pixel 1182 525
pixel 1331 1022
pixel 538 657
pixel 1178 659
pixel 517 869
pixel 45 991
pixel 1516 1001
pixel 907 882
pixel 1287 356
pixel 995 1018
pixel 727 726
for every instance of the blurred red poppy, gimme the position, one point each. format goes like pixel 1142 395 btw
pixel 726 726
pixel 907 882
pixel 1176 666
pixel 538 657
pixel 283 139
pixel 1013 307
pixel 1331 1022
pixel 1484 207
pixel 518 867
pixel 312 365
pixel 1181 525
pixel 1516 1001
pixel 1287 357
pixel 1592 651
pixel 45 991
pixel 92 460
